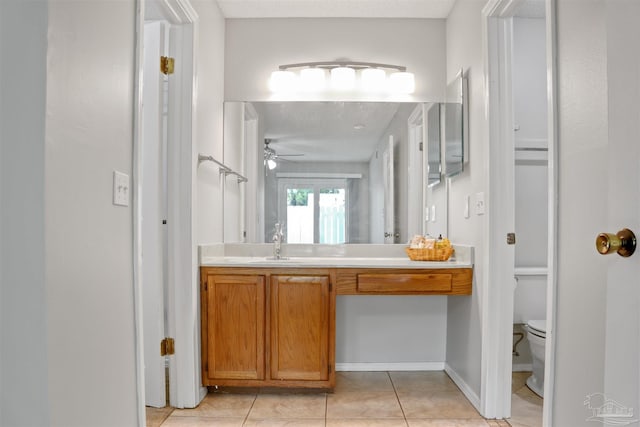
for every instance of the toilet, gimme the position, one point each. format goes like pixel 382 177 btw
pixel 536 334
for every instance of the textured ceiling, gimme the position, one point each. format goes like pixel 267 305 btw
pixel 326 131
pixel 336 8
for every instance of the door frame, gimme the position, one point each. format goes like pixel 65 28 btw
pixel 185 389
pixel 498 301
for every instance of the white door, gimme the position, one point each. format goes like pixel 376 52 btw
pixel 153 205
pixel 622 356
pixel 388 172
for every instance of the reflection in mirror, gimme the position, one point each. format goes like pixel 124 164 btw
pixel 433 145
pixel 454 126
pixel 319 169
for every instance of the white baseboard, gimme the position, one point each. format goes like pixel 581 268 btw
pixel 463 386
pixel 521 367
pixel 390 366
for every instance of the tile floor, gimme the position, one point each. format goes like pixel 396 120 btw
pixel 526 406
pixel 408 399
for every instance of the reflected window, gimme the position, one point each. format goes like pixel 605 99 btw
pixel 314 211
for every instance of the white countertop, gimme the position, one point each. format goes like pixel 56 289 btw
pixel 325 256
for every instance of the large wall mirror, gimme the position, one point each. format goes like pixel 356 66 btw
pixel 334 172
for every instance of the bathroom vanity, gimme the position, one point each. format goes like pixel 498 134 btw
pixel 271 323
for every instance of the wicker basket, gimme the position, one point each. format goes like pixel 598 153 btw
pixel 441 254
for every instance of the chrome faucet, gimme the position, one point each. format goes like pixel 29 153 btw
pixel 277 241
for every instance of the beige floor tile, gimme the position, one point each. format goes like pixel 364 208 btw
pixel 364 404
pixel 519 380
pixel 437 405
pixel 220 406
pixel 155 416
pixel 447 423
pixel 422 381
pixel 280 422
pixel 527 394
pixel 363 381
pixel 202 422
pixel 289 406
pixel 368 422
pixel 524 412
pixel 498 423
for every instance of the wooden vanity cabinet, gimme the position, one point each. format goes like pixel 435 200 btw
pixel 301 307
pixel 233 327
pixel 268 327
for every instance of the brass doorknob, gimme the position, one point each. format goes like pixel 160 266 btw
pixel 623 242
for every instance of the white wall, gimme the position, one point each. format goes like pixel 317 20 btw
pixel 209 119
pixel 88 241
pixel 234 149
pixel 409 331
pixel 464 50
pixel 256 47
pixel 24 401
pixel 530 115
pixel 531 183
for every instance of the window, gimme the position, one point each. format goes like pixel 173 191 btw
pixel 313 210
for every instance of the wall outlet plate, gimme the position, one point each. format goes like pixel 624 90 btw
pixel 120 189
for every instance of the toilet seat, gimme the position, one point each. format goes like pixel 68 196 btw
pixel 538 328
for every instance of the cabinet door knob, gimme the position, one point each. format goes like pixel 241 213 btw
pixel 623 242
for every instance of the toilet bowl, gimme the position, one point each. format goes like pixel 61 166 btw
pixel 536 334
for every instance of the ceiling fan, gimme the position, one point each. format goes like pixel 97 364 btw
pixel 270 155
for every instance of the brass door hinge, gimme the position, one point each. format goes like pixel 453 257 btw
pixel 167 347
pixel 166 65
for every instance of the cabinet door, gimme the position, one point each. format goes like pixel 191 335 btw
pixel 235 327
pixel 300 327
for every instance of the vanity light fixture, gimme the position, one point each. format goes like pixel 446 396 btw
pixel 343 76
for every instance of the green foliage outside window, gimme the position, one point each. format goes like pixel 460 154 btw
pixel 296 197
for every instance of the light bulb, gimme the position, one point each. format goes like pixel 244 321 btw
pixel 402 82
pixel 373 80
pixel 271 164
pixel 312 79
pixel 283 81
pixel 343 78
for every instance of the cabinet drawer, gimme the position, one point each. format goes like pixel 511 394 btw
pixel 406 282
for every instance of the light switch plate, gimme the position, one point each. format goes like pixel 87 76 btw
pixel 433 213
pixel 120 189
pixel 480 205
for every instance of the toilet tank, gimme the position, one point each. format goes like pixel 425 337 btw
pixel 530 301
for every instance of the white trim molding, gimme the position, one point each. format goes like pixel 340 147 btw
pixel 552 227
pixel 464 387
pixel 389 366
pixel 498 301
pixel 182 303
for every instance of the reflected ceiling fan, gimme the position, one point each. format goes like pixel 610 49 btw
pixel 270 155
